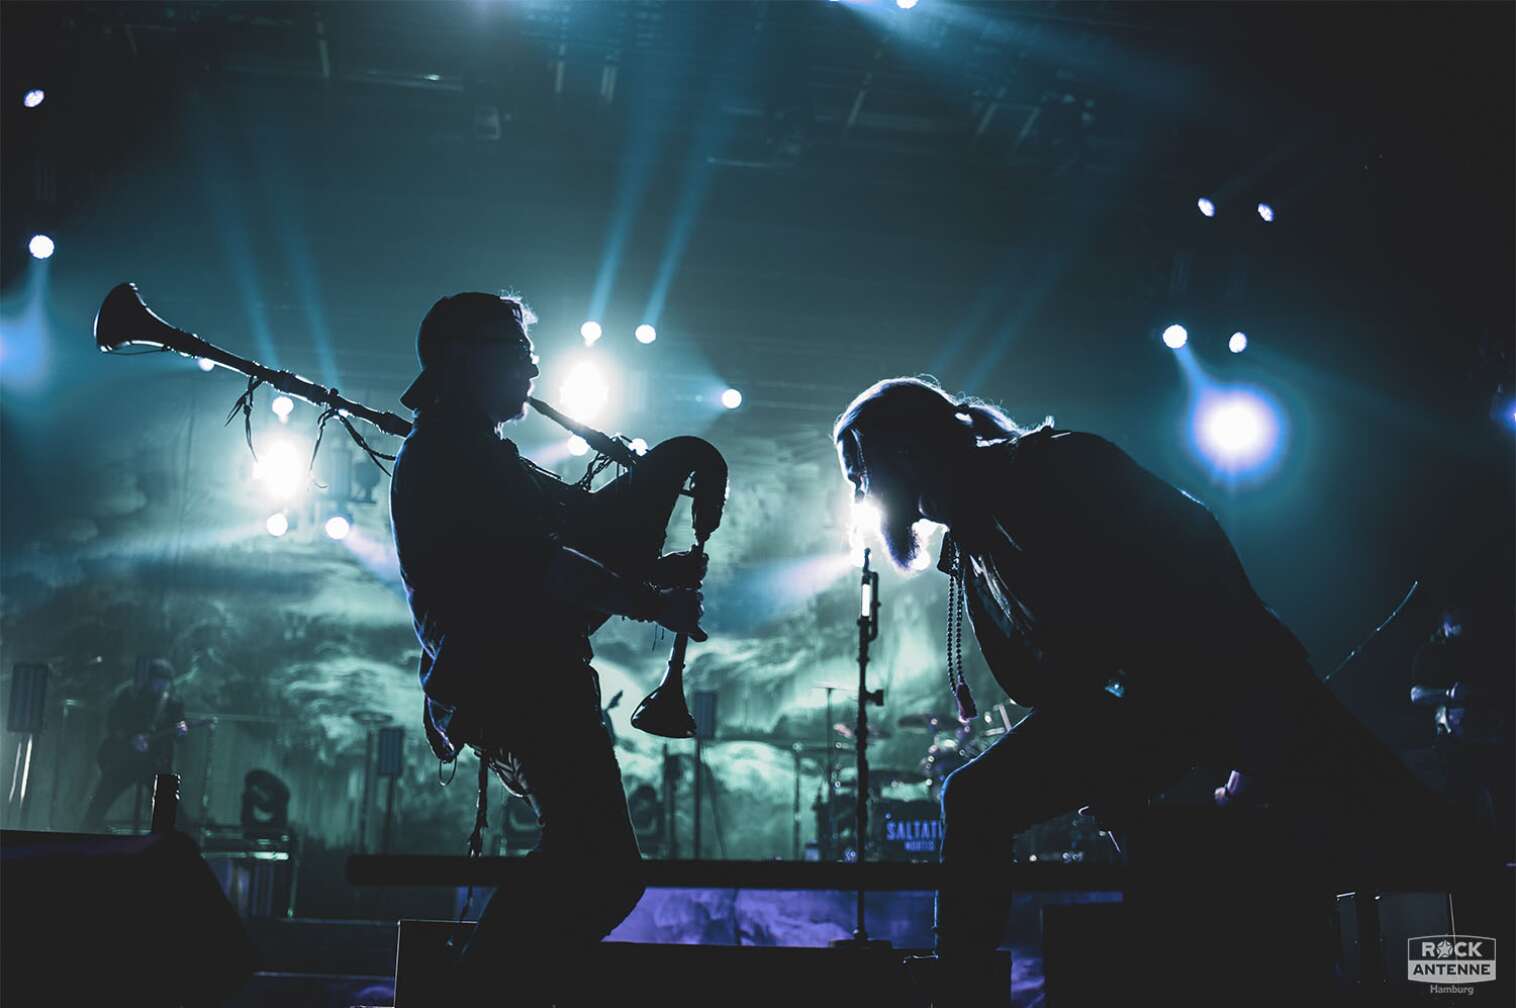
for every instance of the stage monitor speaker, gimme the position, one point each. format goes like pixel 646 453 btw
pixel 391 752
pixel 115 920
pixel 28 698
pixel 705 714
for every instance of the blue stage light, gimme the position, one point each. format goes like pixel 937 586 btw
pixel 864 529
pixel 281 468
pixel 1206 206
pixel 34 97
pixel 338 526
pixel 277 524
pixel 645 333
pixel 590 331
pixel 41 246
pixel 731 398
pixel 1238 342
pixel 578 446
pixel 1266 212
pixel 1175 336
pixel 584 392
pixel 1238 431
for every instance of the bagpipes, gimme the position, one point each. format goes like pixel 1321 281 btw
pixel 623 525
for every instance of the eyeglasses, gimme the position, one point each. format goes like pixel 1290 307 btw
pixel 522 354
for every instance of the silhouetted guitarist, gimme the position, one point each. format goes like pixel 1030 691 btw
pixel 139 742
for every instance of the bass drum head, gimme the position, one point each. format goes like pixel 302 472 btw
pixel 908 830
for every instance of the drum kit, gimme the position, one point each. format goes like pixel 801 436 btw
pixel 905 802
pixel 908 819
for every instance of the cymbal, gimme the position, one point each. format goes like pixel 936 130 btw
pixel 371 717
pixel 883 776
pixel 775 739
pixel 925 722
pixel 887 776
pixel 846 731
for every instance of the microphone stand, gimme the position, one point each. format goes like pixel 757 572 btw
pixel 868 631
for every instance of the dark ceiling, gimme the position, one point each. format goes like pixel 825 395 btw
pixel 977 123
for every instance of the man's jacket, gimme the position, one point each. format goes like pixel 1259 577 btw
pixel 475 528
pixel 1087 572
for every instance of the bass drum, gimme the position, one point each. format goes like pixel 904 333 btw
pixel 834 827
pixel 908 830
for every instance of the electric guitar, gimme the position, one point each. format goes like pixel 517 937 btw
pixel 115 749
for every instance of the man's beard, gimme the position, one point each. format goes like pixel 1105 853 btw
pixel 519 414
pixel 901 539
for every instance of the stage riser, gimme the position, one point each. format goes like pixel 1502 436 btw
pixel 683 975
pixel 297 990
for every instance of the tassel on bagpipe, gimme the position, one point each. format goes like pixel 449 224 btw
pixel 622 525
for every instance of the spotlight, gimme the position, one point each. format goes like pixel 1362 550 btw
pixel 34 97
pixel 578 446
pixel 1206 206
pixel 638 446
pixel 280 470
pixel 906 4
pixel 1238 342
pixel 731 398
pixel 591 332
pixel 865 526
pixel 1233 428
pixel 277 524
pixel 584 392
pixel 646 333
pixel 1266 212
pixel 282 406
pixel 867 518
pixel 206 364
pixel 41 246
pixel 1237 430
pixel 1175 336
pixel 338 526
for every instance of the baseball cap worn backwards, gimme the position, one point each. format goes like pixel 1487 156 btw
pixel 461 319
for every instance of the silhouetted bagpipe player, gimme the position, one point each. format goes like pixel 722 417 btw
pixel 508 570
